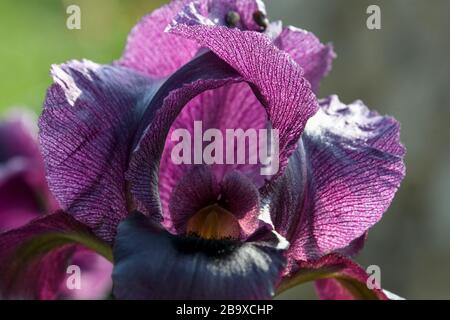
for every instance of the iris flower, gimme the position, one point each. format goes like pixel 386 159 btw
pixel 208 231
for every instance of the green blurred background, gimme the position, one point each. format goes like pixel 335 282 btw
pixel 402 70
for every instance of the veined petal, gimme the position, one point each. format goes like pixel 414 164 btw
pixel 314 57
pixel 34 258
pixel 150 263
pixel 244 57
pixel 158 54
pixel 340 181
pixel 277 80
pixel 86 130
pixel 203 73
pixel 199 188
pixel 337 278
pixel 152 51
pixel 233 106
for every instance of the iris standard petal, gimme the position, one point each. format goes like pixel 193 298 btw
pixel 314 57
pixel 152 51
pixel 34 258
pixel 232 106
pixel 158 54
pixel 203 73
pixel 86 130
pixel 340 181
pixel 278 81
pixel 150 263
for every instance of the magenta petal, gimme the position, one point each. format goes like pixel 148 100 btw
pixel 314 57
pixel 34 258
pixel 340 181
pixel 154 52
pixel 86 130
pixel 233 106
pixel 158 54
pixel 203 73
pixel 278 81
pixel 96 282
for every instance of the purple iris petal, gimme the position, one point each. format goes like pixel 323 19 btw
pixel 340 181
pixel 150 263
pixel 199 189
pixel 314 57
pixel 86 130
pixel 277 81
pixel 158 54
pixel 229 107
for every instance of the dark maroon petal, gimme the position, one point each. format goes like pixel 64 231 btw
pixel 151 263
pixel 33 259
pixel 276 79
pixel 241 197
pixel 86 129
pixel 197 189
pixel 314 57
pixel 340 181
pixel 337 278
pixel 233 106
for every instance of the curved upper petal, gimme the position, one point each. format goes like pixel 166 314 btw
pixel 86 130
pixel 306 49
pixel 340 181
pixel 244 56
pixel 34 258
pixel 150 263
pixel 277 80
pixel 152 51
pixel 158 54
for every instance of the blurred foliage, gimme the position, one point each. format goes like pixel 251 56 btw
pixel 34 35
